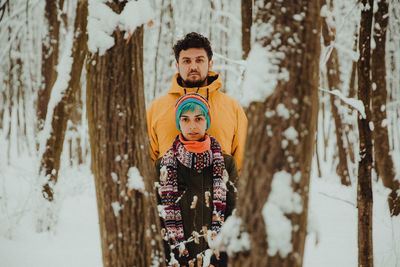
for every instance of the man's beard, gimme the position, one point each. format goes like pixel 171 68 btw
pixel 193 84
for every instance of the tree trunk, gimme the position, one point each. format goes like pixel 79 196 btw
pixel 247 20
pixel 364 188
pixel 333 73
pixel 273 155
pixel 50 163
pixel 129 224
pixel 49 57
pixel 383 158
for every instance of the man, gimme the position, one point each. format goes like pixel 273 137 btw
pixel 193 56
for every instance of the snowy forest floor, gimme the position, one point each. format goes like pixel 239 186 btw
pixel 75 241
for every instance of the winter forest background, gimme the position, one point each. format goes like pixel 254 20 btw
pixel 320 82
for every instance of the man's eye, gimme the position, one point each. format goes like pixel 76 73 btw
pixel 200 61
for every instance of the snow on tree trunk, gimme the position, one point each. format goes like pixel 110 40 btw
pixel 364 188
pixel 274 185
pixel 50 162
pixel 49 57
pixel 124 174
pixel 383 159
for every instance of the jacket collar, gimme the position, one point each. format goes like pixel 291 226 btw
pixel 214 84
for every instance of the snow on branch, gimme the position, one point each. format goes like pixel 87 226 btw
pixel 354 103
pixel 102 21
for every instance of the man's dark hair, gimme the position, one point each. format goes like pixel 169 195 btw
pixel 193 40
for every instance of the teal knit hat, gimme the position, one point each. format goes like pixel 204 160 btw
pixel 187 101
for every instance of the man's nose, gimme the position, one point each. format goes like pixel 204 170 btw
pixel 193 66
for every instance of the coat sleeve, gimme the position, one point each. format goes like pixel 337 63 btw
pixel 239 140
pixel 231 195
pixel 154 148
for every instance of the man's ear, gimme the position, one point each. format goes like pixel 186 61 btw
pixel 210 64
pixel 177 66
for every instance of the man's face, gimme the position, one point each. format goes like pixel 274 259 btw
pixel 193 66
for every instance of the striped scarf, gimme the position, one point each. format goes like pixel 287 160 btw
pixel 170 195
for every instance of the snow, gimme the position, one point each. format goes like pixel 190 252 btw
pixel 135 13
pixel 354 103
pixel 75 241
pixel 116 206
pixel 135 180
pixel 230 239
pixel 282 111
pixel 291 134
pixel 281 202
pixel 61 84
pixel 102 22
pixel 260 79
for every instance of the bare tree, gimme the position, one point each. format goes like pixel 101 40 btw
pixel 50 162
pixel 129 224
pixel 333 74
pixel 280 145
pixel 364 188
pixel 247 21
pixel 383 159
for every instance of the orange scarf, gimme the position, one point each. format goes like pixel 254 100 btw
pixel 196 146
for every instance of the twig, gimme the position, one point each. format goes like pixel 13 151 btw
pixel 343 200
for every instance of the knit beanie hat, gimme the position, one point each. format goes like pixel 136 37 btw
pixel 192 98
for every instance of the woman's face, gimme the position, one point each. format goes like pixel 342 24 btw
pixel 193 125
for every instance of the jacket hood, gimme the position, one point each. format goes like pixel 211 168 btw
pixel 214 83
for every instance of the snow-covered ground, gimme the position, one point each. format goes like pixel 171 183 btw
pixel 75 242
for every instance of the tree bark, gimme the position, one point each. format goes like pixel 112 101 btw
pixel 383 159
pixel 129 224
pixel 333 73
pixel 269 151
pixel 50 163
pixel 364 188
pixel 247 21
pixel 49 57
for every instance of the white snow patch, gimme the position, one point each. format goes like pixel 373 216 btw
pixel 102 21
pixel 135 13
pixel 114 177
pixel 135 180
pixel 116 206
pixel 261 76
pixel 291 134
pixel 282 111
pixel 230 239
pixel 282 200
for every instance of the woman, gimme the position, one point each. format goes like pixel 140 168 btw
pixel 196 183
